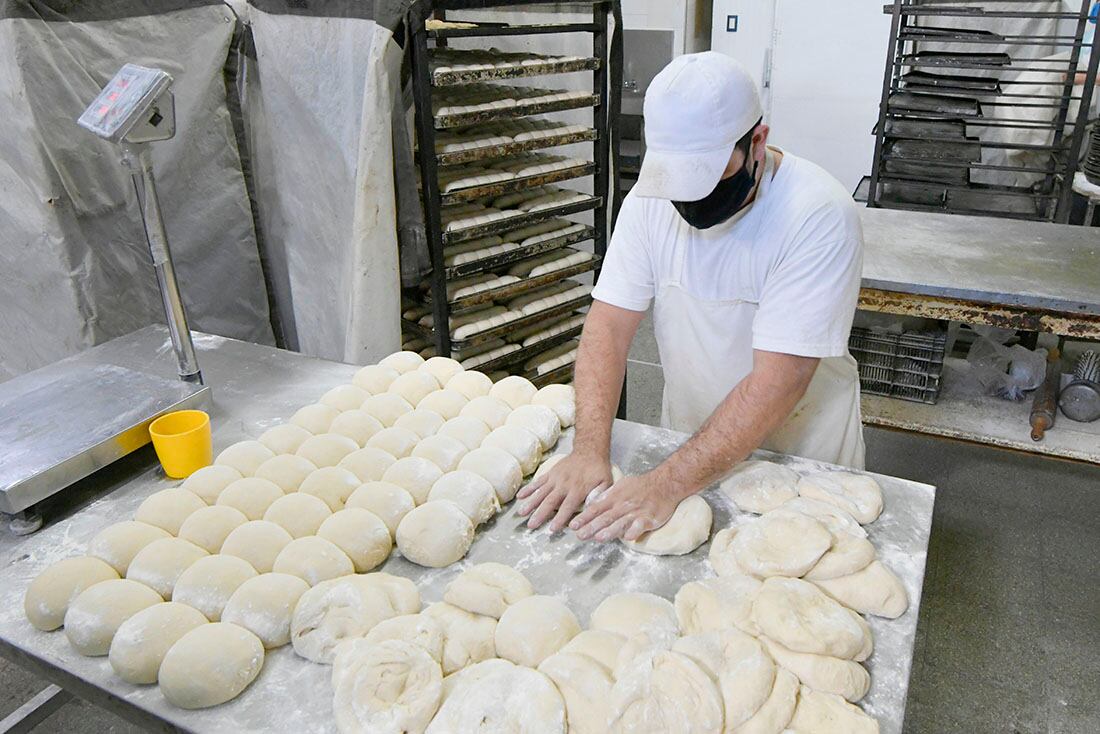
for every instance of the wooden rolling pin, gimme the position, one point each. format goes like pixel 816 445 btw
pixel 1045 405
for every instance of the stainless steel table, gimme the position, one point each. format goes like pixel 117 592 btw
pixel 256 387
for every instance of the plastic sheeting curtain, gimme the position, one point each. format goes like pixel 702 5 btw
pixel 74 267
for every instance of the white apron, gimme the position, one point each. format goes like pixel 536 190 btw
pixel 706 350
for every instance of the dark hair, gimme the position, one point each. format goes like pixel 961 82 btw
pixel 745 143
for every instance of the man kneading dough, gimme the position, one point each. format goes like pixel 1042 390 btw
pixel 751 259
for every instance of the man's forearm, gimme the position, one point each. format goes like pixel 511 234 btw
pixel 750 413
pixel 598 379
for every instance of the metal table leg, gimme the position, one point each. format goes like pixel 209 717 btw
pixel 35 711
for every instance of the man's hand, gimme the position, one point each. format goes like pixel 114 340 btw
pixel 561 492
pixel 634 505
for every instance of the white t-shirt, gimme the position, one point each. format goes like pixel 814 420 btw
pixel 796 259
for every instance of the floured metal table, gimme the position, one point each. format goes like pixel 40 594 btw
pixel 255 387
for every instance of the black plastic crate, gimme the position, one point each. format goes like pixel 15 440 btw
pixel 906 366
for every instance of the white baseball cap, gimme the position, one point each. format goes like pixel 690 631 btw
pixel 696 109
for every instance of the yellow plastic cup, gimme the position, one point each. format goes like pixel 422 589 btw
pixel 182 442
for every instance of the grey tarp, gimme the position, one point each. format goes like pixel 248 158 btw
pixel 74 268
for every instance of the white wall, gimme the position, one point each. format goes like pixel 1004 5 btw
pixel 689 20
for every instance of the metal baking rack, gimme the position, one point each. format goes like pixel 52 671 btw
pixel 513 71
pixel 939 86
pixel 561 374
pixel 513 256
pixel 523 219
pixel 511 290
pixel 515 185
pixel 504 150
pixel 520 109
pixel 520 356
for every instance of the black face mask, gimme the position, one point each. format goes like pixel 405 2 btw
pixel 722 203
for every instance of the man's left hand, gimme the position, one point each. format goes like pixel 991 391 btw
pixel 632 506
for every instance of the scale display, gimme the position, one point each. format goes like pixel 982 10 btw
pixel 135 106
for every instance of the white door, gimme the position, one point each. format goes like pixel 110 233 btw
pixel 743 29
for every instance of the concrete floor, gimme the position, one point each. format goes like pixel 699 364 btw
pixel 1010 621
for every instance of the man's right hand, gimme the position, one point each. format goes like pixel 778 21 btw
pixel 561 492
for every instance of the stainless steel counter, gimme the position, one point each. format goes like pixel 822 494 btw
pixel 255 387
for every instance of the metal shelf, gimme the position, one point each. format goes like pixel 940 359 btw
pixel 525 353
pixel 513 256
pixel 490 30
pixel 505 150
pixel 515 185
pixel 521 219
pixel 499 331
pixel 453 78
pixel 561 374
pixel 462 119
pixel 520 287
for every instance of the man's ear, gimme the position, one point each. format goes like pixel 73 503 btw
pixel 760 141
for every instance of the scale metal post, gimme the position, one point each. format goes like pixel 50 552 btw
pixel 60 423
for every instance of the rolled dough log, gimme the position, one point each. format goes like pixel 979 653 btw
pixel 368 464
pixel 781 543
pixel 435 534
pixel 49 595
pixel 687 529
pixel 665 691
pixel 857 494
pixel 333 611
pixel 534 628
pixel 467 638
pixel 873 590
pixel 159 564
pixel 760 486
pixel 717 603
pixel 209 481
pixel 259 542
pixel 298 513
pixel 263 605
pixel 210 665
pixel 209 527
pixel 288 471
pixel 387 501
pixel 244 456
pixel 283 439
pixel 251 496
pixel 632 613
pixel 97 612
pixel 469 491
pixel 168 508
pixel 313 560
pixel 142 641
pixel 823 672
pixel 208 583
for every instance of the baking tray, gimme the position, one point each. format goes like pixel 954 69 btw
pixel 522 219
pixel 561 374
pixel 944 82
pixel 462 119
pixel 513 185
pixel 487 30
pixel 525 353
pixel 520 287
pixel 935 104
pixel 507 258
pixel 950 59
pixel 504 150
pixel 452 78
pixel 936 33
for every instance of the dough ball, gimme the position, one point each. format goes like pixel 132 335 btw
pixel 499 467
pixel 514 390
pixel 717 603
pixel 286 470
pixel 360 534
pixel 665 691
pixel 400 591
pixel 488 589
pixel 97 612
pixel 489 410
pixel 315 418
pixel 602 646
pixel 386 408
pixel 821 672
pixel 375 378
pixel 118 544
pixel 533 629
pixel 585 685
pixel 402 362
pixel 250 495
pixel 333 611
pixel 721 556
pixel 848 555
pixel 448 403
pixel 142 641
pixel 298 513
pixel 826 713
pixel 159 564
pixel 345 397
pixel 207 483
pixel 471 383
pixel 540 421
pixel 441 368
pixel 443 451
pixel 414 474
pixel 739 665
pixel 435 534
pixel 512 699
pixel 799 616
pixel 259 542
pixel 285 438
pixel 327 449
pixel 208 583
pixel 467 638
pixel 760 486
pixel 398 442
pixel 244 456
pixel 264 604
pixel 472 493
pixel 388 502
pixel 874 590
pixel 781 543
pixel 857 494
pixel 422 422
pixel 368 464
pixel 313 560
pixel 561 399
pixel 49 595
pixel 467 429
pixel 520 443
pixel 333 484
pixel 414 386
pixel 469 676
pixel 777 710
pixel 391 686
pixel 415 629
pixel 686 530
pixel 209 527
pixel 168 508
pixel 632 613
pixel 210 665
pixel 358 425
